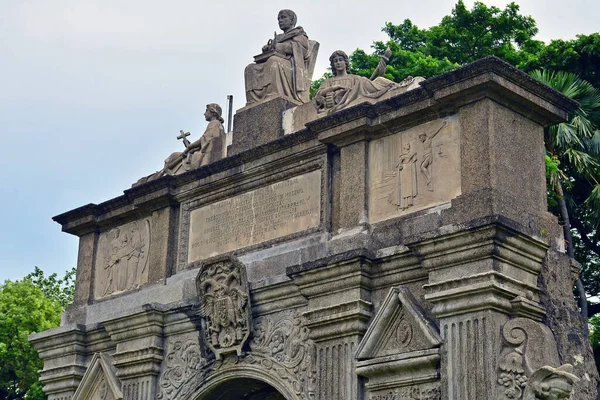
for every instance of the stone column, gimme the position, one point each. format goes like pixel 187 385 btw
pixel 479 278
pixel 353 186
pixel 139 353
pixel 64 353
pixel 340 309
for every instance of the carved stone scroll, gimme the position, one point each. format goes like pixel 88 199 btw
pixel 224 305
pixel 184 369
pixel 525 369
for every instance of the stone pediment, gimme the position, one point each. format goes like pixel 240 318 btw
pixel 99 381
pixel 400 326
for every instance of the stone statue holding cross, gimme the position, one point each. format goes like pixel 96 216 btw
pixel 209 148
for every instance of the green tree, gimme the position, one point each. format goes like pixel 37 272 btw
pixel 468 35
pixel 574 150
pixel 31 305
pixel 462 37
pixel 580 56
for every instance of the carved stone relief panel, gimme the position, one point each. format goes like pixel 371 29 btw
pixel 183 368
pixel 417 392
pixel 224 306
pixel 122 258
pixel 281 347
pixel 269 212
pixel 529 364
pixel 414 169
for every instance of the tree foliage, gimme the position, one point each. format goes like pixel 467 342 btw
pixel 31 305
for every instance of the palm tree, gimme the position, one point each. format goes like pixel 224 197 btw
pixel 573 161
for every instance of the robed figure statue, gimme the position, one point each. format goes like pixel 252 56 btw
pixel 210 147
pixel 282 69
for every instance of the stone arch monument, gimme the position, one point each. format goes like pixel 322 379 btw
pixel 383 244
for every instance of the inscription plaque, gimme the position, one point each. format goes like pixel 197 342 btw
pixel 256 216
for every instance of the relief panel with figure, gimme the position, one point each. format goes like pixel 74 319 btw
pixel 414 169
pixel 122 258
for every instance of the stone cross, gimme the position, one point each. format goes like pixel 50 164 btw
pixel 183 135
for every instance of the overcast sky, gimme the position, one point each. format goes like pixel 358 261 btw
pixel 94 92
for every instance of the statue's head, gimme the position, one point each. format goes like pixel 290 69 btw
pixel 213 111
pixel 287 20
pixel 337 54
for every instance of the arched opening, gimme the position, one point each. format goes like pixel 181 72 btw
pixel 243 389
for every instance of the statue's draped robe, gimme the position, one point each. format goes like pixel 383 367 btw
pixel 213 145
pixel 285 75
pixel 355 89
pixel 407 180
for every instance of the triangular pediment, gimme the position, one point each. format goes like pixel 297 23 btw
pixel 400 326
pixel 99 381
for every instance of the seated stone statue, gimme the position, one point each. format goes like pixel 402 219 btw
pixel 283 67
pixel 345 90
pixel 209 148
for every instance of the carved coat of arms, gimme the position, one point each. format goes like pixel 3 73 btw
pixel 224 306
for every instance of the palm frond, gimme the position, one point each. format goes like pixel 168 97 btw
pixel 593 202
pixel 583 163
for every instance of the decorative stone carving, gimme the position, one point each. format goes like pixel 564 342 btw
pixel 344 90
pixel 100 381
pixel 406 169
pixel 410 393
pixel 400 326
pixel 224 306
pixel 525 369
pixel 209 148
pixel 281 346
pixel 400 350
pixel 122 258
pixel 285 66
pixel 551 383
pixel 184 369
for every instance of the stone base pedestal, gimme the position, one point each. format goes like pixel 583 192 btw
pixel 258 124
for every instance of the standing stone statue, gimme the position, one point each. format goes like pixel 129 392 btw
pixel 284 66
pixel 407 179
pixel 209 148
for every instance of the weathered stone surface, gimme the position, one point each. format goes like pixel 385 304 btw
pixel 345 90
pixel 100 381
pixel 258 124
pixel 122 258
pixel 263 214
pixel 482 261
pixel 415 169
pixel 563 318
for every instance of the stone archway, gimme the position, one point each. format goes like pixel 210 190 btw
pixel 243 389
